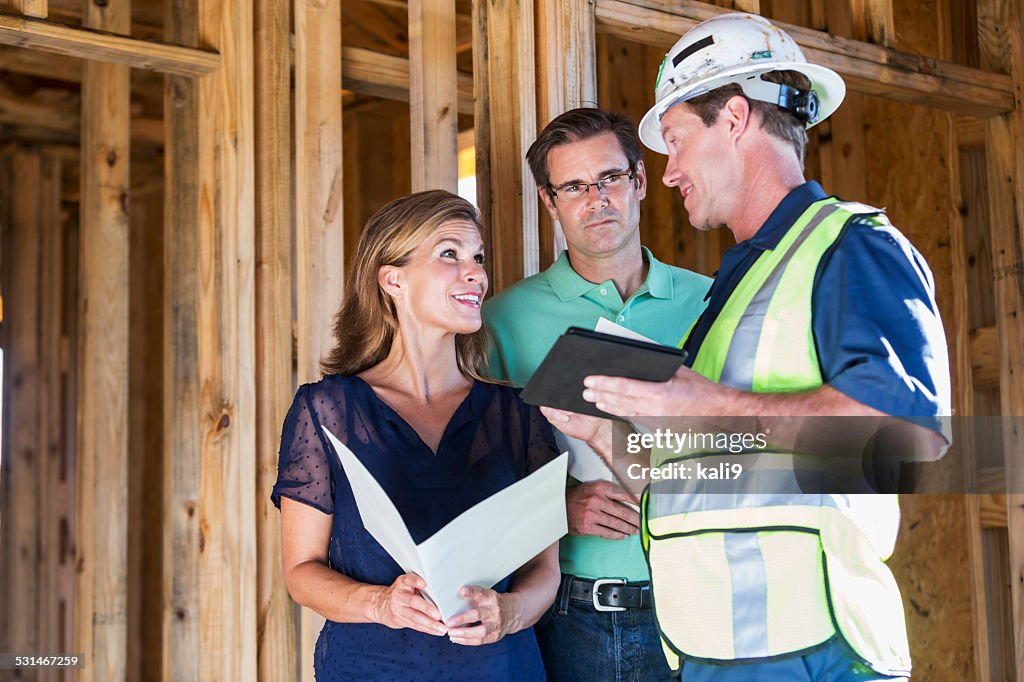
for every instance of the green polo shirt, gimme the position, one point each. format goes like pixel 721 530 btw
pixel 527 318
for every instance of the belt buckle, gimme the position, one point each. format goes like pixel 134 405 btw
pixel 598 584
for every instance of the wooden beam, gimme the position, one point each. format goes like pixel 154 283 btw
pixel 433 95
pixel 385 76
pixel 276 625
pixel 60 110
pixel 102 455
pixel 869 69
pixel 566 79
pixel 22 495
pixel 503 56
pixel 40 64
pixel 319 238
pixel 106 47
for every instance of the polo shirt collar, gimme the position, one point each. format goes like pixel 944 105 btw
pixel 568 285
pixel 785 214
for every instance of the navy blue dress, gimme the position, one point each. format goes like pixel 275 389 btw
pixel 492 440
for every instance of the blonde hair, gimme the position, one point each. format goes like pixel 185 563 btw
pixel 365 326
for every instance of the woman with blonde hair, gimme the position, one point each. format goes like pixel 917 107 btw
pixel 403 388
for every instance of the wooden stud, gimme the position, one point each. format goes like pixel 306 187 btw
pixel 840 138
pixel 433 95
pixel 276 628
pixel 386 76
pixel 21 485
pixel 32 8
pixel 185 161
pixel 1002 47
pixel 210 536
pixel 503 54
pixel 41 64
pixel 319 239
pixel 55 507
pixel 102 455
pixel 59 110
pixel 106 47
pixel 873 21
pixel 566 79
pixel 869 69
pixel 145 466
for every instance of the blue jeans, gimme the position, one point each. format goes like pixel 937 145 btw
pixel 833 663
pixel 580 644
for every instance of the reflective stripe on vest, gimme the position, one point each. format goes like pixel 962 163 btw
pixel 759 576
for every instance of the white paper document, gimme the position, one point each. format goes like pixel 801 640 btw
pixel 608 327
pixel 481 545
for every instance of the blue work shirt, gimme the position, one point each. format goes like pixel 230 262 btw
pixel 875 322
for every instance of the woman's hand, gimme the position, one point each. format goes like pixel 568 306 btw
pixel 498 615
pixel 401 605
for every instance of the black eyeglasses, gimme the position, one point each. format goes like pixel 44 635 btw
pixel 609 184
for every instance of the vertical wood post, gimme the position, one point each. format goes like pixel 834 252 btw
pixel 319 238
pixel 102 455
pixel 566 79
pixel 504 86
pixel 210 527
pixel 276 627
pixel 432 95
pixel 21 492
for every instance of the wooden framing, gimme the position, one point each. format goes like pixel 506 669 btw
pixel 319 235
pixel 433 95
pixel 504 68
pixel 32 8
pixel 106 47
pixel 383 75
pixel 22 359
pixel 566 79
pixel 102 547
pixel 869 69
pixel 228 246
pixel 276 648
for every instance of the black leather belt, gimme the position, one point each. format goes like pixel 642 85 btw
pixel 609 594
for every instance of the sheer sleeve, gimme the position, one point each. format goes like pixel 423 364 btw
pixel 303 471
pixel 540 440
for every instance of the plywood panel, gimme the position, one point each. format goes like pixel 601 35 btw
pixel 931 567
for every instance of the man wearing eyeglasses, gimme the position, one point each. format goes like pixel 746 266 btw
pixel 590 175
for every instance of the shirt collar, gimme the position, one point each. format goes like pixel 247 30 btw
pixel 568 285
pixel 785 214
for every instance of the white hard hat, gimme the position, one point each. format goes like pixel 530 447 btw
pixel 738 48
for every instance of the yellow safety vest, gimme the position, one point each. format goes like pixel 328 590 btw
pixel 752 577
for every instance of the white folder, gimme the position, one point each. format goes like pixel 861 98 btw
pixel 481 545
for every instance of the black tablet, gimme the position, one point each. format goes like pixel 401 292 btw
pixel 579 353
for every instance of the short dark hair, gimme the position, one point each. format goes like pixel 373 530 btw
pixel 577 125
pixel 776 121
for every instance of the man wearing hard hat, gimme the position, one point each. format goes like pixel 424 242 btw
pixel 822 308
